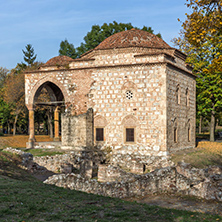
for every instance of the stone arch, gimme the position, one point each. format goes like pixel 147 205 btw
pixel 128 90
pixel 128 85
pixel 100 124
pixel 53 86
pixel 100 121
pixel 129 120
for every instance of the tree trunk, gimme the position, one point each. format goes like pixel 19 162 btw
pixel 9 128
pixel 200 125
pixel 14 124
pixel 212 125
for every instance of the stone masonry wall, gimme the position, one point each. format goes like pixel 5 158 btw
pixel 77 131
pixel 183 115
pixel 147 107
pixel 74 84
pixel 127 88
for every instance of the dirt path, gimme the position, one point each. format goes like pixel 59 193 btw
pixel 182 203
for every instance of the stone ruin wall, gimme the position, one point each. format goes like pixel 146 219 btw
pixel 181 179
pixel 116 182
pixel 77 131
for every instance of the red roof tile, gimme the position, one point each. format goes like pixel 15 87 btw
pixel 59 60
pixel 132 38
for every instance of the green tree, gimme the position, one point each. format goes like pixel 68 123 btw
pixel 97 35
pixel 5 115
pixel 3 74
pixel 29 55
pixel 67 49
pixel 201 40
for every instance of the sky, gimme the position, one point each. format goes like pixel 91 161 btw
pixel 45 23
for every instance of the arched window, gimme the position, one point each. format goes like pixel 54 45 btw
pixel 187 97
pixel 128 89
pixel 175 134
pixel 178 94
pixel 175 131
pixel 99 128
pixel 188 131
pixel 129 123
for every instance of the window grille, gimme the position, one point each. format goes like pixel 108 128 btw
pixel 129 134
pixel 129 94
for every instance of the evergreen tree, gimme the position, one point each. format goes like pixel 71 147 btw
pixel 67 49
pixel 29 55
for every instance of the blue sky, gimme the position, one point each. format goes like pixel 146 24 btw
pixel 45 23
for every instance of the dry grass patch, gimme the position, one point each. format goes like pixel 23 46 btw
pixel 210 147
pixel 19 141
pixel 204 155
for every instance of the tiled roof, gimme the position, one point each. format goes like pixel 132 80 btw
pixel 132 38
pixel 59 60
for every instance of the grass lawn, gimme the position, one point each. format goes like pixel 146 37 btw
pixel 24 198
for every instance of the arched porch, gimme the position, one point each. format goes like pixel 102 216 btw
pixel 53 99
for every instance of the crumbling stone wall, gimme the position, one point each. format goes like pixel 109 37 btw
pixel 77 130
pixel 182 179
pixel 81 162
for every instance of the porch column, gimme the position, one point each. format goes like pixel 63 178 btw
pixel 56 124
pixel 31 129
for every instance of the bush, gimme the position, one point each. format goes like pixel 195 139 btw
pixel 1 134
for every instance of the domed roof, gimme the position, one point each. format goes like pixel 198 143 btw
pixel 132 38
pixel 59 60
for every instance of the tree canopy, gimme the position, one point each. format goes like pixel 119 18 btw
pixel 67 49
pixel 201 40
pixel 96 36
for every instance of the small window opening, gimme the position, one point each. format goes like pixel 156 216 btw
pixel 99 134
pixel 187 97
pixel 189 133
pixel 175 135
pixel 178 94
pixel 144 168
pixel 129 94
pixel 129 134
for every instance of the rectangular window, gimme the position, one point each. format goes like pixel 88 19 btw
pixel 129 134
pixel 99 134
